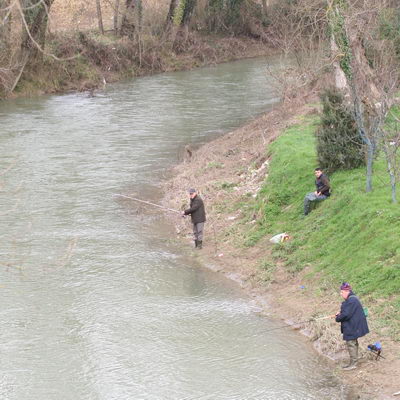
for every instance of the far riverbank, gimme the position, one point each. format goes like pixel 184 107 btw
pixel 90 61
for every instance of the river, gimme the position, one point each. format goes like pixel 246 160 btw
pixel 96 302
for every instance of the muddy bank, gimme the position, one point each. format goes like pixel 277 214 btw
pixel 228 172
pixel 90 61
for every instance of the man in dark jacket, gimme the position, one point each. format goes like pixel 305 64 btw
pixel 198 215
pixel 323 190
pixel 353 323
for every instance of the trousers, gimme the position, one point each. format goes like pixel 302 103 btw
pixel 309 199
pixel 198 231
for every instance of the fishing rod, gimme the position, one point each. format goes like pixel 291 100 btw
pixel 148 203
pixel 300 323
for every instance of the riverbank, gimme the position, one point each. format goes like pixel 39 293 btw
pixel 90 60
pixel 291 281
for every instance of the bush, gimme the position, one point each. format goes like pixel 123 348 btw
pixel 339 145
pixel 232 16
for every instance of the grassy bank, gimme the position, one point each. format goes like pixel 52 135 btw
pixel 89 60
pixel 253 181
pixel 353 236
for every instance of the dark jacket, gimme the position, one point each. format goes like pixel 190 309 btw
pixel 196 210
pixel 323 186
pixel 352 318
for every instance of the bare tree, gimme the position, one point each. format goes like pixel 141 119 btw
pixel 5 26
pixel 367 68
pixel 99 17
pixel 265 6
pixel 303 43
pixel 391 145
pixel 391 152
pixel 364 63
pixel 35 15
pixel 26 39
pixel 116 16
pixel 128 24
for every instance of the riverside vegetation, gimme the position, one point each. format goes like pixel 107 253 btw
pixel 351 45
pixel 255 191
pixel 351 237
pixel 51 46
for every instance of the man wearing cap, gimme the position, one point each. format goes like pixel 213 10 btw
pixel 353 323
pixel 198 215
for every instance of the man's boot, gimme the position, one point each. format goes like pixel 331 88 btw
pixel 199 244
pixel 196 243
pixel 352 347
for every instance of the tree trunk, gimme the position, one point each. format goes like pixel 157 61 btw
pixel 5 27
pixel 370 162
pixel 36 16
pixel 116 17
pixel 392 181
pixel 265 5
pixel 354 77
pixel 188 12
pixel 179 16
pixel 99 17
pixel 171 12
pixel 366 138
pixel 180 12
pixel 391 168
pixel 139 15
pixel 128 25
pixel 339 76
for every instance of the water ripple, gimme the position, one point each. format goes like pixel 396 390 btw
pixel 94 304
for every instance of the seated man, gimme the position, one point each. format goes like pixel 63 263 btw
pixel 323 190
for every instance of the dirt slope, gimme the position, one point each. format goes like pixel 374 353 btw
pixel 227 170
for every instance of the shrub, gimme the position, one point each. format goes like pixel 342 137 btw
pixel 339 145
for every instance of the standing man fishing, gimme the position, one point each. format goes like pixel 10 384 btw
pixel 353 323
pixel 198 215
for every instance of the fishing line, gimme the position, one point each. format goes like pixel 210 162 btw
pixel 299 323
pixel 148 203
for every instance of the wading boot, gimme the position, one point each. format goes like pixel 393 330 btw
pixel 199 244
pixel 352 346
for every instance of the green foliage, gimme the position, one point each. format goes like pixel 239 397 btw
pixel 339 145
pixel 267 270
pixel 291 172
pixel 232 15
pixel 214 164
pixel 390 27
pixel 352 236
pixel 392 126
pixel 179 11
pixel 226 185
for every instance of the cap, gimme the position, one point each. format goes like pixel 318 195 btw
pixel 345 286
pixel 192 191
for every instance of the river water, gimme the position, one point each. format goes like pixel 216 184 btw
pixel 96 303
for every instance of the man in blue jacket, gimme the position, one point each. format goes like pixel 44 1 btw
pixel 353 323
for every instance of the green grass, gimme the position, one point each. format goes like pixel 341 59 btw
pixel 353 236
pixel 214 164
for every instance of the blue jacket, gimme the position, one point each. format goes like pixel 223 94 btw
pixel 352 318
